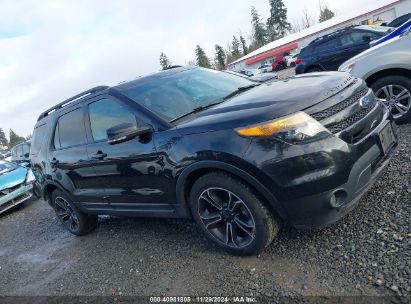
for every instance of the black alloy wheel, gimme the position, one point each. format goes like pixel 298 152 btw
pixel 226 217
pixel 231 214
pixel 76 221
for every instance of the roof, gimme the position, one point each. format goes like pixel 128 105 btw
pixel 315 29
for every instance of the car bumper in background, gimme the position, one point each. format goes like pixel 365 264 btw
pixel 15 197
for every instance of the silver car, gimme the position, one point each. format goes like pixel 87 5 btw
pixel 387 70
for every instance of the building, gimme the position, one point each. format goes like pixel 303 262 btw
pixel 296 41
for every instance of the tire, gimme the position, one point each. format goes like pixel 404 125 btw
pixel 231 215
pixel 398 84
pixel 312 70
pixel 77 222
pixel 292 64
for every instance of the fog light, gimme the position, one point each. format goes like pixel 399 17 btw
pixel 338 199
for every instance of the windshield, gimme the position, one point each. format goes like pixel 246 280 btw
pixel 177 94
pixel 6 167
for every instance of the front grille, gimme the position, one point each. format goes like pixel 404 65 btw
pixel 338 127
pixel 340 106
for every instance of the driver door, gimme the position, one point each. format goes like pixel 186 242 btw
pixel 130 172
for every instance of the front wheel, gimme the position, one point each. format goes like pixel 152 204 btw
pixel 77 222
pixel 395 92
pixel 231 215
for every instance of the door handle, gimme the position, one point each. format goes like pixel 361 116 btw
pixel 99 155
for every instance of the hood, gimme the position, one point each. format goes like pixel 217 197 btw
pixel 269 101
pixel 13 178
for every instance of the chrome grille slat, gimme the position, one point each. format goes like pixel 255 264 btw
pixel 340 106
pixel 338 127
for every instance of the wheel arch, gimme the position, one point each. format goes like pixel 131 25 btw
pixel 387 72
pixel 192 173
pixel 48 188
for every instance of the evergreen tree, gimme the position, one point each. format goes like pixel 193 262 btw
pixel 3 140
pixel 235 46
pixel 164 61
pixel 14 138
pixel 277 24
pixel 219 57
pixel 243 45
pixel 259 30
pixel 201 58
pixel 325 13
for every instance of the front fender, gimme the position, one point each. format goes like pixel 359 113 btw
pixel 236 171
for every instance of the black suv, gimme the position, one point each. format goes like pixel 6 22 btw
pixel 328 52
pixel 235 155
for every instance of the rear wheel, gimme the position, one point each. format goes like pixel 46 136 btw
pixel 395 92
pixel 70 216
pixel 231 215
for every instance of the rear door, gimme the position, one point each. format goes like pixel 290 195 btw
pixel 327 53
pixel 131 171
pixel 69 160
pixel 353 43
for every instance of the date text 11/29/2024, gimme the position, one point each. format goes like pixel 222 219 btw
pixel 203 299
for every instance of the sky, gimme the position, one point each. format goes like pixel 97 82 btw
pixel 51 50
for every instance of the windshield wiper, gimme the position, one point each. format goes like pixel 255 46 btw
pixel 240 90
pixel 198 109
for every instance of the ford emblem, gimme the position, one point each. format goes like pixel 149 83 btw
pixel 365 102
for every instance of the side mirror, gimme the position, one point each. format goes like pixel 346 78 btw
pixel 126 131
pixel 366 38
pixel 26 155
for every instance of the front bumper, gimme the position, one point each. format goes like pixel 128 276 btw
pixel 318 183
pixel 15 197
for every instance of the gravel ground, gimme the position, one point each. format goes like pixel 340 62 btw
pixel 367 253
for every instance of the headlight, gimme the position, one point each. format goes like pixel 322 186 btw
pixel 295 128
pixel 347 68
pixel 30 178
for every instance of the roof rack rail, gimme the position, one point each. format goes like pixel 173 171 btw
pixel 72 99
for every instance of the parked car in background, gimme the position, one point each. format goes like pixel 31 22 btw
pixel 328 52
pixel 400 20
pixel 387 70
pixel 6 155
pixel 20 153
pixel 236 155
pixel 291 59
pixel 279 63
pixel 398 31
pixel 249 72
pixel 16 183
pixel 265 68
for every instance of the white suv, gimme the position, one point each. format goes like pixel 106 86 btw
pixel 387 70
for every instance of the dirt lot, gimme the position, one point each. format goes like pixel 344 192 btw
pixel 367 253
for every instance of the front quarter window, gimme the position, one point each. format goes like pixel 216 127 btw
pixel 172 96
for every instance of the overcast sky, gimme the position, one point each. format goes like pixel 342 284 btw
pixel 51 50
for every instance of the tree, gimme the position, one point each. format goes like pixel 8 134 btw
pixel 14 138
pixel 201 58
pixel 259 31
pixel 235 48
pixel 306 19
pixel 164 61
pixel 277 24
pixel 3 140
pixel 243 45
pixel 219 57
pixel 325 12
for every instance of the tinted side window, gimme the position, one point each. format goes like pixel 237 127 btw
pixel 328 45
pixel 105 114
pixel 38 138
pixel 26 149
pixel 71 129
